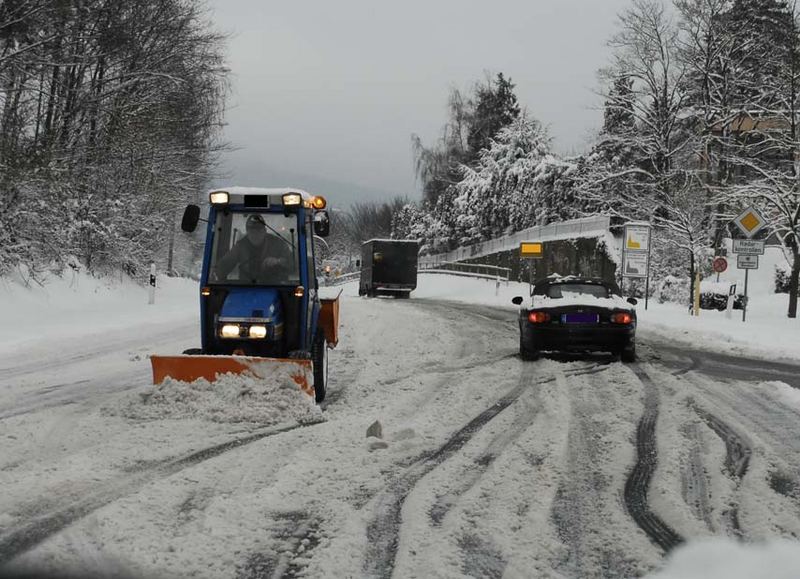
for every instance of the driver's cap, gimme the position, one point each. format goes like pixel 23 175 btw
pixel 255 221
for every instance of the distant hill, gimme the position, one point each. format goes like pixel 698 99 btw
pixel 340 195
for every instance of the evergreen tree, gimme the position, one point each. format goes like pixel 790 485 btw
pixel 495 107
pixel 502 193
pixel 619 118
pixel 763 32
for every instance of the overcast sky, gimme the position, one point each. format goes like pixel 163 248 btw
pixel 326 94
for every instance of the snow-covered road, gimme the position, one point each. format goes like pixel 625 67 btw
pixel 571 466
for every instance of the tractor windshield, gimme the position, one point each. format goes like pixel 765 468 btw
pixel 255 248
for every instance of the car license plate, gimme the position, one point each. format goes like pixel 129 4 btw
pixel 581 318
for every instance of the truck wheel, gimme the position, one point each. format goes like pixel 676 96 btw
pixel 318 359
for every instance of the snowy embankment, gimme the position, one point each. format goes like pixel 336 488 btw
pixel 81 307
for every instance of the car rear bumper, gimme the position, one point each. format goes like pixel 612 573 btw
pixel 580 338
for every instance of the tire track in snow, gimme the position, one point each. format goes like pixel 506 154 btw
pixel 383 530
pixel 638 483
pixel 299 536
pixel 694 478
pixel 472 475
pixel 44 526
pixel 757 413
pixel 579 511
pixel 737 458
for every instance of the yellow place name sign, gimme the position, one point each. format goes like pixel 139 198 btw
pixel 531 249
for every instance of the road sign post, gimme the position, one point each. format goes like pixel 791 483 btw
pixel 636 248
pixel 749 222
pixel 744 305
pixel 529 250
pixel 151 297
pixel 746 262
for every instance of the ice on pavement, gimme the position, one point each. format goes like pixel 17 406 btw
pixel 231 398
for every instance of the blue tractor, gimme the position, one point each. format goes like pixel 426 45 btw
pixel 260 309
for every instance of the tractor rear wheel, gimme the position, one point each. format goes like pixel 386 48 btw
pixel 318 359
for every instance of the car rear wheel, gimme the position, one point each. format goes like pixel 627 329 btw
pixel 318 355
pixel 628 354
pixel 527 353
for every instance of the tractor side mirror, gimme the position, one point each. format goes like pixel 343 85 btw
pixel 322 224
pixel 517 301
pixel 633 301
pixel 191 216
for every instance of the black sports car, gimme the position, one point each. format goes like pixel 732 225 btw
pixel 577 314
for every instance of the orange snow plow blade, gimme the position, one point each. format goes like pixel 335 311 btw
pixel 329 320
pixel 191 368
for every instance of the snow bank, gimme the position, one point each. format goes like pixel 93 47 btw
pixel 767 333
pixel 231 398
pixel 791 396
pixel 725 559
pixel 79 305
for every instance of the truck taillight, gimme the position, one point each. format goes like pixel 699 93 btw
pixel 622 318
pixel 538 317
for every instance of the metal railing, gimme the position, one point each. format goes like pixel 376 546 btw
pixel 330 281
pixel 480 270
pixel 594 226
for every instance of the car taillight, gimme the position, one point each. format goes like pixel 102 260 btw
pixel 539 317
pixel 622 318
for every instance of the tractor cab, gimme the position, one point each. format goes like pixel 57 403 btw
pixel 259 290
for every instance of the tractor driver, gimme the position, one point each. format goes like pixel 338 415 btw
pixel 259 255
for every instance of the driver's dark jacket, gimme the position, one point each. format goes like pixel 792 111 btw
pixel 250 257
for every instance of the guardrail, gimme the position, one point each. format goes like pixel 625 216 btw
pixel 594 226
pixel 479 270
pixel 339 280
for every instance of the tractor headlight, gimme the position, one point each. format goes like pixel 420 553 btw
pixel 292 199
pixel 229 331
pixel 258 332
pixel 219 198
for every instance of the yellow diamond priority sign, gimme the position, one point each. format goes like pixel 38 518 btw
pixel 750 222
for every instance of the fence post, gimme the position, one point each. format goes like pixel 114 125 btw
pixel 152 293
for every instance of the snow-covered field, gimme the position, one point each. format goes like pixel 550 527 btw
pixel 488 466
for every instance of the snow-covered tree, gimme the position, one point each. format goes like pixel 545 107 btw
pixel 109 116
pixel 501 193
